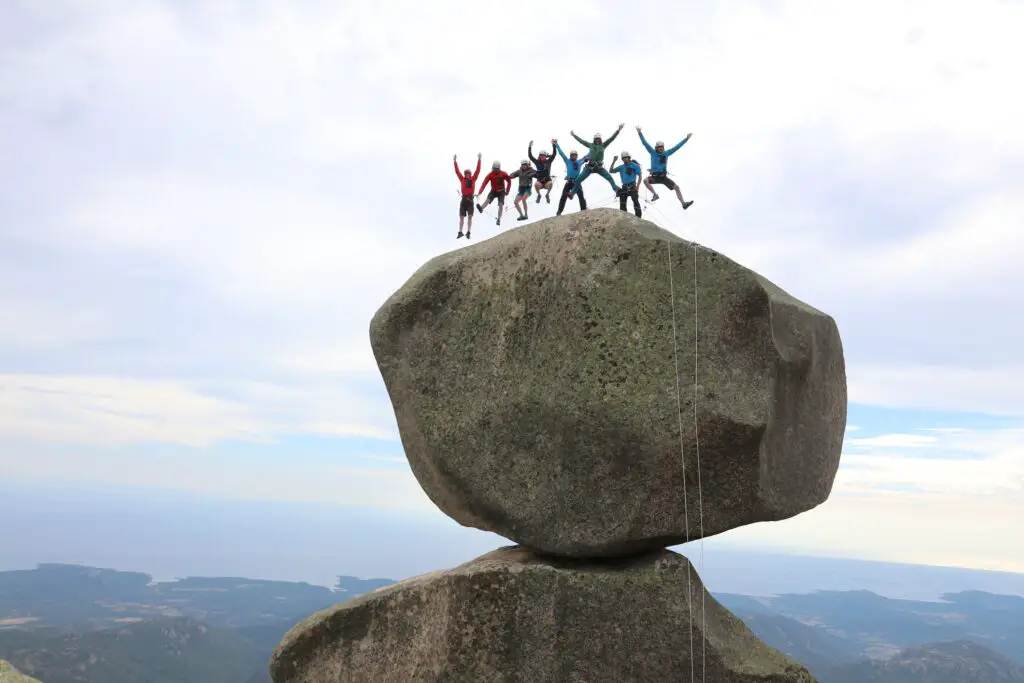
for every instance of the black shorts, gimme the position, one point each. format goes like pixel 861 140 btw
pixel 500 196
pixel 466 207
pixel 662 179
pixel 543 180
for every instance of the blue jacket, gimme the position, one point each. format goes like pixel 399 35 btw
pixel 572 168
pixel 629 173
pixel 659 162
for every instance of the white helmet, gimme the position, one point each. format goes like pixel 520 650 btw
pixel 573 153
pixel 524 162
pixel 597 135
pixel 626 154
pixel 496 165
pixel 659 143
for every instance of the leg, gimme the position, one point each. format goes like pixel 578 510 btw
pixel 547 195
pixel 635 194
pixel 583 200
pixel 536 186
pixel 603 172
pixel 565 195
pixel 578 186
pixel 650 188
pixel 501 208
pixel 622 199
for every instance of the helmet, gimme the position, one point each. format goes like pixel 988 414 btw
pixel 625 154
pixel 524 162
pixel 659 143
pixel 597 136
pixel 574 153
pixel 496 165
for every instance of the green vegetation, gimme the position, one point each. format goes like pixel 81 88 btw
pixel 72 624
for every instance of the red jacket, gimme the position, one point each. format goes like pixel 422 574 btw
pixel 468 184
pixel 499 180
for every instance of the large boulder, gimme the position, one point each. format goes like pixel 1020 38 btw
pixel 534 380
pixel 513 617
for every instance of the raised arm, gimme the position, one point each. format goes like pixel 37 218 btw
pixel 458 173
pixel 613 168
pixel 614 135
pixel 476 173
pixel 561 154
pixel 581 140
pixel 553 145
pixel 643 140
pixel 529 152
pixel 676 148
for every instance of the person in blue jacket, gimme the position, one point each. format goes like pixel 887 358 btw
pixel 573 166
pixel 629 173
pixel 659 167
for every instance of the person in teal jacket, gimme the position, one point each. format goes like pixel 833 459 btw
pixel 629 173
pixel 659 167
pixel 573 167
pixel 596 163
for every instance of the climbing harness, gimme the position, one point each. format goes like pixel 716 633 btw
pixel 682 451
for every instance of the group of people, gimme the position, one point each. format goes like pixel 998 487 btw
pixel 534 173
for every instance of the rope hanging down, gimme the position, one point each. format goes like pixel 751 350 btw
pixel 682 451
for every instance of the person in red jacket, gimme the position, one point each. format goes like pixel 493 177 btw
pixel 468 183
pixel 501 183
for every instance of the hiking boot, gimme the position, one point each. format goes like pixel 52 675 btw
pixel 686 205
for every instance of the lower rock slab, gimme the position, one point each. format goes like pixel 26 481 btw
pixel 512 616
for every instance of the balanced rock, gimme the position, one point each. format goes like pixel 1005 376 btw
pixel 513 617
pixel 544 386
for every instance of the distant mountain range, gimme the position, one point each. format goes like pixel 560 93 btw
pixel 74 624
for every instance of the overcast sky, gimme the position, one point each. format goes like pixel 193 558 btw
pixel 203 203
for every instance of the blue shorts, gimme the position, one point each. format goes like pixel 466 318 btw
pixel 524 191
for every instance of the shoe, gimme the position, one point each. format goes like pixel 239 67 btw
pixel 458 236
pixel 654 197
pixel 521 218
pixel 497 222
pixel 686 205
pixel 479 208
pixel 467 234
pixel 548 198
pixel 538 199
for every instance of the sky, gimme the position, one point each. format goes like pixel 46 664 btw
pixel 203 203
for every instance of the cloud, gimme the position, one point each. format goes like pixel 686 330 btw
pixel 115 411
pixel 948 496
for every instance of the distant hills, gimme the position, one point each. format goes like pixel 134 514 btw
pixel 74 624
pixel 961 661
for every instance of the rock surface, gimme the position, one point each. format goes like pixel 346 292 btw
pixel 534 382
pixel 513 617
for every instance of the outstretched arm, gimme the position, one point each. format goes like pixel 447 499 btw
pixel 613 168
pixel 676 148
pixel 553 145
pixel 614 135
pixel 476 173
pixel 529 152
pixel 643 140
pixel 561 154
pixel 581 141
pixel 457 171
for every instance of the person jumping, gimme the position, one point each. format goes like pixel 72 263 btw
pixel 468 182
pixel 573 166
pixel 629 172
pixel 596 162
pixel 543 178
pixel 659 167
pixel 526 174
pixel 500 183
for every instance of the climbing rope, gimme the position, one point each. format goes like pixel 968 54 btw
pixel 682 451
